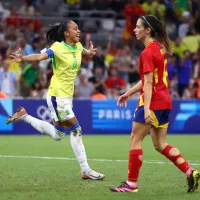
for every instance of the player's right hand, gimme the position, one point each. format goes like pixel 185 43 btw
pixel 16 57
pixel 123 99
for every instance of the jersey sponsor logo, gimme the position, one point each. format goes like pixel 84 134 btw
pixel 6 110
pixel 67 112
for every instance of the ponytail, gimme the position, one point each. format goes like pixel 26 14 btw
pixel 158 31
pixel 56 33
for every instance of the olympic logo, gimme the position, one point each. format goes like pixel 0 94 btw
pixel 44 113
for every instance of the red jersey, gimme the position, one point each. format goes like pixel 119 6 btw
pixel 153 59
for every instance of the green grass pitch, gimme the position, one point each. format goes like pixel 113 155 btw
pixel 39 168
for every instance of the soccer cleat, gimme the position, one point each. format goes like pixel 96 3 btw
pixel 92 175
pixel 192 180
pixel 124 187
pixel 21 112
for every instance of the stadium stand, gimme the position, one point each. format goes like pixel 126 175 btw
pixel 109 25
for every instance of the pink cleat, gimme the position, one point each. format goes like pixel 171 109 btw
pixel 124 187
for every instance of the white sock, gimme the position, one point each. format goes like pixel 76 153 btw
pixel 42 126
pixel 79 151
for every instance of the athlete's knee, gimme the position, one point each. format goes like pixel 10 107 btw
pixel 76 130
pixel 75 134
pixel 135 137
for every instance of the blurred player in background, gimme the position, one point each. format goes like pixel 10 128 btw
pixel 152 112
pixel 66 53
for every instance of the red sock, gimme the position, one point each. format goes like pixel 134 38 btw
pixel 183 166
pixel 134 164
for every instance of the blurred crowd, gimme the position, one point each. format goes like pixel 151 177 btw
pixel 114 68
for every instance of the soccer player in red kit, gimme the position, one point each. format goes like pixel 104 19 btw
pixel 152 112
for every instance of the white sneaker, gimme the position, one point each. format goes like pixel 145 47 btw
pixel 92 175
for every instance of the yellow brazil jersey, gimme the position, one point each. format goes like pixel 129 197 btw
pixel 66 63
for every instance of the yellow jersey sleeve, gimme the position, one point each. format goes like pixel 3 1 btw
pixel 79 46
pixel 55 46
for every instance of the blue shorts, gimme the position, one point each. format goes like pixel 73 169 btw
pixel 160 117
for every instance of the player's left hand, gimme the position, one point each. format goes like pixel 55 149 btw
pixel 123 99
pixel 92 50
pixel 147 116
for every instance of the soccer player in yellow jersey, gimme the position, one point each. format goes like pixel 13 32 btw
pixel 66 53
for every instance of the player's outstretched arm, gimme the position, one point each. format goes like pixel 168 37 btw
pixel 18 57
pixel 91 51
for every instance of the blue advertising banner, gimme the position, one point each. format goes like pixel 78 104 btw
pixel 185 117
pixel 108 117
pixel 99 117
pixel 36 108
pixel 6 109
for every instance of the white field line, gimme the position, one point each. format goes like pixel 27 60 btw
pixel 192 162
